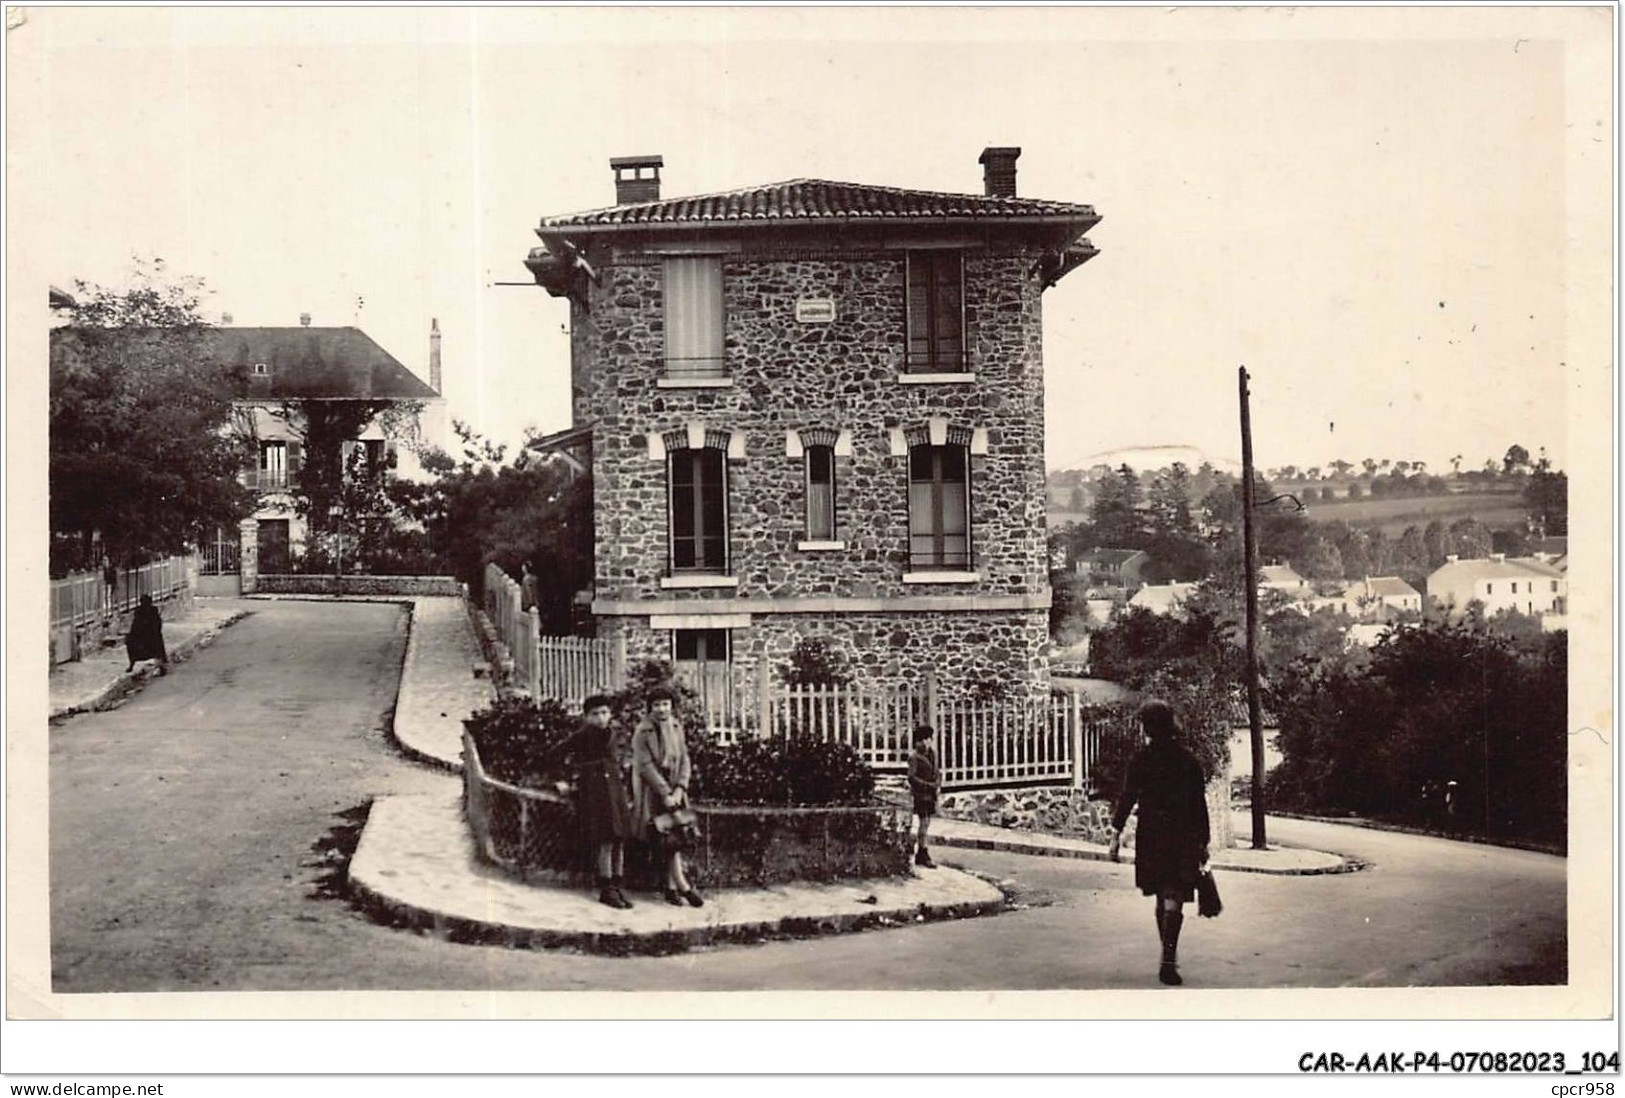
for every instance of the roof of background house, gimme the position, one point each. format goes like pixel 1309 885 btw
pixel 1556 546
pixel 1162 596
pixel 1471 571
pixel 301 363
pixel 1278 573
pixel 816 200
pixel 1112 556
pixel 1384 587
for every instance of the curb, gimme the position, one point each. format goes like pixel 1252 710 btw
pixel 657 943
pixel 434 762
pixel 130 682
pixel 1011 846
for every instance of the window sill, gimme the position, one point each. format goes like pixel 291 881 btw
pixel 935 379
pixel 698 579
pixel 694 383
pixel 942 577
pixel 820 546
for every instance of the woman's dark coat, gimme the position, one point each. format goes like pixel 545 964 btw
pixel 1165 780
pixel 603 799
pixel 145 640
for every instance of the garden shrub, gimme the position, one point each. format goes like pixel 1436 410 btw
pixel 517 738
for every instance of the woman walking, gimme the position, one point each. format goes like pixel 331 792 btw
pixel 1170 847
pixel 660 775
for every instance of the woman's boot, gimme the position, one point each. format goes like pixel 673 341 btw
pixel 1172 921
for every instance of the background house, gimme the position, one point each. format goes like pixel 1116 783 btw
pixel 1113 567
pixel 1162 598
pixel 1374 598
pixel 816 410
pixel 288 369
pixel 1524 584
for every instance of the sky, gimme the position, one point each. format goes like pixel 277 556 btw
pixel 1370 219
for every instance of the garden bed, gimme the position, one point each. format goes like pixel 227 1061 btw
pixel 534 834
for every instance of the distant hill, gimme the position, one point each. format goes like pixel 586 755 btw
pixel 1144 459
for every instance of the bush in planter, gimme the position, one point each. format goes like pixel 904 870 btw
pixel 798 770
pixel 515 737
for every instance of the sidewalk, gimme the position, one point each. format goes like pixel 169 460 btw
pixel 438 684
pixel 1286 860
pixel 99 681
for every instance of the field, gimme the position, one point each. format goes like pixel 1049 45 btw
pixel 1496 510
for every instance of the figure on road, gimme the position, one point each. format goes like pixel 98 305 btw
pixel 598 751
pixel 527 586
pixel 660 776
pixel 1170 846
pixel 145 640
pixel 925 783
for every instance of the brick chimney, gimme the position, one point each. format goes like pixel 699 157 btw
pixel 999 170
pixel 637 178
pixel 434 354
pixel 304 320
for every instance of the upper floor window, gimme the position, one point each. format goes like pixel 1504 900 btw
pixel 693 303
pixel 699 510
pixel 820 493
pixel 939 506
pixel 1489 588
pixel 936 313
pixel 273 470
pixel 1554 585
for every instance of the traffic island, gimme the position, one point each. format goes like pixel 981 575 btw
pixel 416 865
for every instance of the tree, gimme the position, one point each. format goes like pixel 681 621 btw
pixel 1369 465
pixel 324 490
pixel 1115 514
pixel 1355 491
pixel 1455 465
pixel 1472 538
pixel 479 511
pixel 1516 460
pixel 144 446
pixel 1547 499
pixel 1410 558
pixel 1171 503
pixel 1341 468
pixel 1322 561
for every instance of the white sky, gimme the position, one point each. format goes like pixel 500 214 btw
pixel 1373 224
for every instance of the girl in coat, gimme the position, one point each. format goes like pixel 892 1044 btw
pixel 660 776
pixel 597 750
pixel 1165 780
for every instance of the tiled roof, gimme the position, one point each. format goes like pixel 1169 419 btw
pixel 1112 556
pixel 1278 573
pixel 1470 571
pixel 1389 587
pixel 300 363
pixel 804 200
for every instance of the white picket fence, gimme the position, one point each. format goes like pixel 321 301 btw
pixel 567 668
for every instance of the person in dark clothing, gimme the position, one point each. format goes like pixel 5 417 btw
pixel 1171 844
pixel 529 586
pixel 925 784
pixel 600 754
pixel 145 640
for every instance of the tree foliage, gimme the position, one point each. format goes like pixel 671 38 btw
pixel 144 446
pixel 1436 706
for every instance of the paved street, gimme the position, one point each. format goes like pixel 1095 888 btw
pixel 182 826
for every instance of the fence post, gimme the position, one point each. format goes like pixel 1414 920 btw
pixel 533 653
pixel 619 669
pixel 1080 765
pixel 764 700
pixel 931 699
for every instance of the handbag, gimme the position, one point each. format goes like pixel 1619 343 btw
pixel 676 829
pixel 1208 904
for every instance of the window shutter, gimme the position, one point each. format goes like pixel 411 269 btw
pixel 693 307
pixel 296 456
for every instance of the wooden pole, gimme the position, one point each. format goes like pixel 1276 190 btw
pixel 1255 717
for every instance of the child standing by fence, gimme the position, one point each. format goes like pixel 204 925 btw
pixel 925 783
pixel 603 806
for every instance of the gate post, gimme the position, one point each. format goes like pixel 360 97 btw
pixel 248 554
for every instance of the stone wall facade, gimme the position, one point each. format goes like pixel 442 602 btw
pixel 789 381
pixel 1061 810
pixel 301 584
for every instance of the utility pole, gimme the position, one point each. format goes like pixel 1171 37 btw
pixel 1249 541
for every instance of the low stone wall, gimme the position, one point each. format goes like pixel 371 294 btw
pixel 534 834
pixel 1060 810
pixel 1055 810
pixel 294 584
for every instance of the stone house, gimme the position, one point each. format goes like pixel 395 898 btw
pixel 1374 598
pixel 1113 567
pixel 816 409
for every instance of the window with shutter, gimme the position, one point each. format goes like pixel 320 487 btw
pixel 939 507
pixel 936 313
pixel 692 288
pixel 698 510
